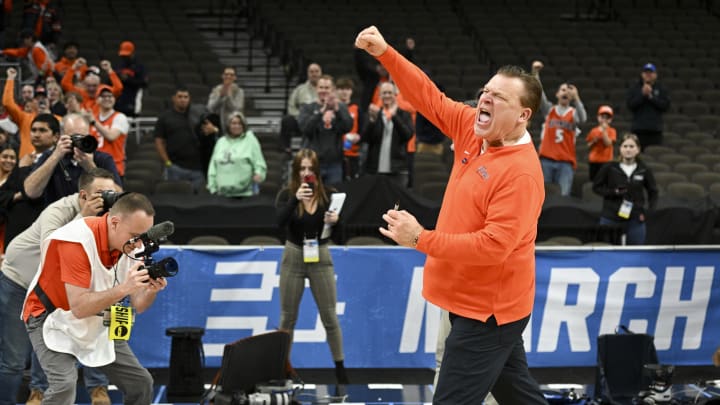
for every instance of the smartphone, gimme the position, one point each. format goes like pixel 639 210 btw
pixel 310 180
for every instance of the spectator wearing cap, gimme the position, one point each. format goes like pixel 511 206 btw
pixel 39 58
pixel 601 140
pixel 71 51
pixel 648 100
pixel 23 118
pixel 88 87
pixel 110 127
pixel 134 79
pixel 227 97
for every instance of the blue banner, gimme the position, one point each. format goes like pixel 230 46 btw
pixel 233 293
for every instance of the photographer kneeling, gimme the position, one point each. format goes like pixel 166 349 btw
pixel 85 269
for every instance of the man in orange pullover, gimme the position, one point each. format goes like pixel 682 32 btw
pixel 88 89
pixel 481 256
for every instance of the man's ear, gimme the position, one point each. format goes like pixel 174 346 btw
pixel 525 115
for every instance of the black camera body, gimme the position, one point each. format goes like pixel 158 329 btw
pixel 167 267
pixel 86 143
pixel 109 198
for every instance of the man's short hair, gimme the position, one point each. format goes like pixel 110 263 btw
pixel 327 77
pixel 345 83
pixel 50 120
pixel 87 177
pixel 533 88
pixel 132 202
pixel 181 88
pixel 70 44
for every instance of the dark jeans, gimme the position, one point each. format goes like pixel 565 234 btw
pixel 481 357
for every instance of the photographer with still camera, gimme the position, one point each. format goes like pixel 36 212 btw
pixel 56 172
pixel 19 268
pixel 86 267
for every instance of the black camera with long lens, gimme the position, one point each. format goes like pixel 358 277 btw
pixel 86 143
pixel 167 267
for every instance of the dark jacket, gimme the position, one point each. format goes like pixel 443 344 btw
pixel 134 78
pixel 326 142
pixel 372 134
pixel 66 175
pixel 615 186
pixel 648 111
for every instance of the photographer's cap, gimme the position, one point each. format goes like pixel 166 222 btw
pixel 649 67
pixel 605 109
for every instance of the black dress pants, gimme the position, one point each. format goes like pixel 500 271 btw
pixel 481 357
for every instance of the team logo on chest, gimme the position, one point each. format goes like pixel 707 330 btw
pixel 482 171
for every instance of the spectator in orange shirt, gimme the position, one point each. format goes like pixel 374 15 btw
pixel 601 140
pixel 481 256
pixel 23 118
pixel 557 147
pixel 39 58
pixel 88 88
pixel 110 127
pixel 70 56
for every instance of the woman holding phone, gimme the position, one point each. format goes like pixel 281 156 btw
pixel 623 184
pixel 302 210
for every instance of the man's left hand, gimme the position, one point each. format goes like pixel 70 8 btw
pixel 157 284
pixel 402 227
pixel 85 160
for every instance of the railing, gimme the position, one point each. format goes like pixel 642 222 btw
pixel 139 126
pixel 274 43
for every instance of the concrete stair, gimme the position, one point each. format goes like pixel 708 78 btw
pixel 260 75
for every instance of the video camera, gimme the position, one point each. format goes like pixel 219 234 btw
pixel 167 267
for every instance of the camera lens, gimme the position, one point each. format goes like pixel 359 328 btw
pixel 86 143
pixel 167 267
